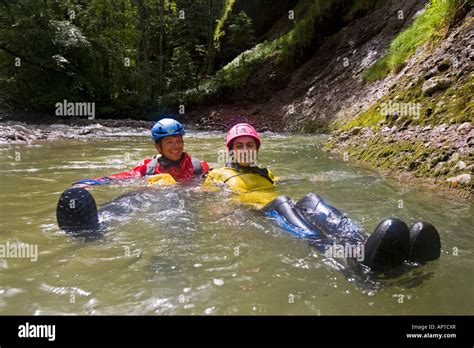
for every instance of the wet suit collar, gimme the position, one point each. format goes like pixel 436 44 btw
pixel 245 170
pixel 166 162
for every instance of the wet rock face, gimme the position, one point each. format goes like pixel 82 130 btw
pixel 435 84
pixel 460 180
pixel 444 64
pixel 464 128
pixel 438 143
pixel 327 79
pixel 333 79
pixel 355 130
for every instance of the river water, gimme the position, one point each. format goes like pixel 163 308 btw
pixel 181 250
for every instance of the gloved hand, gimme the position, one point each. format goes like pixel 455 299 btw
pixel 87 182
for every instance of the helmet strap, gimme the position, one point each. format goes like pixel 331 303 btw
pixel 158 145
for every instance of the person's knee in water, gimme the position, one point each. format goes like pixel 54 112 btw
pixel 76 213
pixel 389 246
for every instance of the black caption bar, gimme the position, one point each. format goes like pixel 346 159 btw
pixel 133 330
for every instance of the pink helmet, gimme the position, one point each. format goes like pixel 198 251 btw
pixel 240 130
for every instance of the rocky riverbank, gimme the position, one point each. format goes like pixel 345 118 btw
pixel 18 133
pixel 419 125
pixel 26 127
pixel 442 154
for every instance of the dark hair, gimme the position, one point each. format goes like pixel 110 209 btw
pixel 231 143
pixel 159 141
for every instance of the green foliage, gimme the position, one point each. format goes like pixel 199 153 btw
pixel 120 54
pixel 427 25
pixel 300 37
pixel 182 68
pixel 128 56
pixel 218 32
pixel 241 33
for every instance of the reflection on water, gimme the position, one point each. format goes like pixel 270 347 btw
pixel 181 250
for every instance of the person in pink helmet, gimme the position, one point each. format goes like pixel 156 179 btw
pixel 241 172
pixel 312 218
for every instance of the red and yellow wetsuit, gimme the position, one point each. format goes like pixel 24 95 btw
pixel 185 169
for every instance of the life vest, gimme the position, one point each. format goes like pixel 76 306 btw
pixel 243 179
pixel 186 168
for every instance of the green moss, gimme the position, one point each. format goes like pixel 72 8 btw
pixel 379 70
pixel 218 33
pixel 455 105
pixel 403 155
pixel 414 157
pixel 461 107
pixel 371 117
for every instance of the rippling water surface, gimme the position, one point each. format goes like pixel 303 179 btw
pixel 184 251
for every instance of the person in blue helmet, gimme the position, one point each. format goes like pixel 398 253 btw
pixel 77 210
pixel 167 135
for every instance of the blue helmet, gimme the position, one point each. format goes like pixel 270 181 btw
pixel 166 127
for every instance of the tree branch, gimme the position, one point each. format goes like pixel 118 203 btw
pixel 28 60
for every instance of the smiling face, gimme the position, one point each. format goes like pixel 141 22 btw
pixel 171 147
pixel 245 150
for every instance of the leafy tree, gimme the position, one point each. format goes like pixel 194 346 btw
pixel 182 69
pixel 241 33
pixel 121 54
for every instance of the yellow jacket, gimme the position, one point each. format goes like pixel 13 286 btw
pixel 254 186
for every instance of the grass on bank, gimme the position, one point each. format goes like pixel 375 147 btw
pixel 428 25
